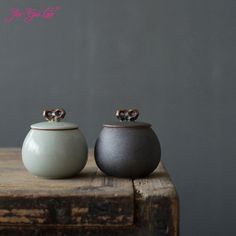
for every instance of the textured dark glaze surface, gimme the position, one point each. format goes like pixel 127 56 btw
pixel 127 152
pixel 127 124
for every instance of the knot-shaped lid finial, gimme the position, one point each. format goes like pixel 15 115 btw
pixel 54 114
pixel 127 115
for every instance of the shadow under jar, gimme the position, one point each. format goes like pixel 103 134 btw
pixel 127 148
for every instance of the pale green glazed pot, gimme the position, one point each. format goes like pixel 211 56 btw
pixel 54 149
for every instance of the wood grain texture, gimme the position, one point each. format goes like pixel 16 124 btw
pixel 88 204
pixel 89 199
pixel 156 199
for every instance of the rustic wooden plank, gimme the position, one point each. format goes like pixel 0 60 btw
pixel 89 199
pixel 157 204
pixel 59 230
pixel 89 204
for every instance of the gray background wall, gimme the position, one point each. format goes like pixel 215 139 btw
pixel 174 60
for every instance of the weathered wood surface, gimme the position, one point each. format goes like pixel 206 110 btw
pixel 157 203
pixel 89 204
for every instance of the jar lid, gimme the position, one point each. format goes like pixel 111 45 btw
pixel 127 119
pixel 54 117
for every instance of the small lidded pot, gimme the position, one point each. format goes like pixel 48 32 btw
pixel 127 148
pixel 54 148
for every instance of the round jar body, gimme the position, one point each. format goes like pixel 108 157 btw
pixel 54 154
pixel 127 152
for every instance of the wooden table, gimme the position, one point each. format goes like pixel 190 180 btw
pixel 89 204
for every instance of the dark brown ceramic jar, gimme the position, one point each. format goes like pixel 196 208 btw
pixel 127 148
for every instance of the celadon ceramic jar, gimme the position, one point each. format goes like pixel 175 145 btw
pixel 54 148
